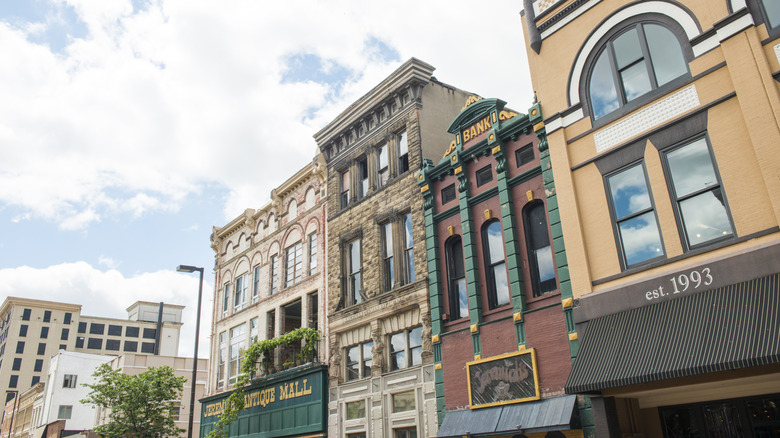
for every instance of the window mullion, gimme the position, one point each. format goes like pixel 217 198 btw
pixel 646 57
pixel 621 92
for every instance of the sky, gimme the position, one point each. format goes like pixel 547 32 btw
pixel 129 128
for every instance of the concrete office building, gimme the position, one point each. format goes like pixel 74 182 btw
pixel 662 122
pixel 381 359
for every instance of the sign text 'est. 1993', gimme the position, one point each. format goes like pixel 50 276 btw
pixel 680 283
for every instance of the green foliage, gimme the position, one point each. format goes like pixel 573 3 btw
pixel 140 405
pixel 261 352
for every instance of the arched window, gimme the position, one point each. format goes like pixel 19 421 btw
pixel 292 210
pixel 456 279
pixel 540 256
pixel 495 264
pixel 310 199
pixel 634 61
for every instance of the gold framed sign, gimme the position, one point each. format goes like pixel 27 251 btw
pixel 500 380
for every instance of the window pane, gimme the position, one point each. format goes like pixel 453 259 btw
pixel 367 358
pixel 665 53
pixel 627 48
pixel 635 81
pixel 641 239
pixel 495 242
pixel 544 262
pixel 403 401
pixel 724 420
pixel 502 284
pixel 772 9
pixel 463 299
pixel 705 217
pixel 356 410
pixel 603 96
pixel 629 192
pixel 691 168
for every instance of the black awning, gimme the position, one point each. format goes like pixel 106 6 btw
pixel 548 414
pixel 731 327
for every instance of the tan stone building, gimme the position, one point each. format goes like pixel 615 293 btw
pixel 381 363
pixel 662 123
pixel 31 331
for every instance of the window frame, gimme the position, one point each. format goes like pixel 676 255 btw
pixel 363 184
pixel 491 281
pixel 654 93
pixel 70 381
pixel 312 245
pixel 402 138
pixel 533 259
pixel 274 280
pixel 240 345
pixel 240 292
pixel 364 364
pixel 453 295
pixel 226 300
pixel 407 351
pixel 354 295
pixel 344 183
pixel 382 171
pixel 294 268
pixel 222 360
pixel 407 248
pixel 616 222
pixel 483 175
pixel 388 257
pixel 256 283
pixel 522 152
pixel 760 16
pixel 445 194
pixel 677 200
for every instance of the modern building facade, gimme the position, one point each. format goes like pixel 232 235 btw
pixel 31 331
pixel 662 123
pixel 499 290
pixel 381 360
pixel 270 279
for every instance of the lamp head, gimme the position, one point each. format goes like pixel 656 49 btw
pixel 187 268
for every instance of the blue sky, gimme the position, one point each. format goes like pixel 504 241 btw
pixel 129 128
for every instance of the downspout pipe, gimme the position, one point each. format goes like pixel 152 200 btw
pixel 534 38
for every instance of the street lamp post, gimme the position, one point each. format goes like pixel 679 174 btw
pixel 186 268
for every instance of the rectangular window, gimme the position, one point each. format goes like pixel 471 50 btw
pixel 112 344
pixel 64 334
pixel 147 347
pixel 23 330
pixel 13 381
pixel 44 332
pixel 771 12
pixel 383 171
pixel 63 347
pixel 408 246
pixel 403 402
pixel 240 292
pixel 68 317
pixel 633 214
pixel 20 347
pixel 403 152
pixel 354 271
pixel 495 264
pixel 221 361
pixel 47 316
pixel 41 348
pixel 541 262
pixel 95 343
pixel 97 329
pixel 356 410
pixel 406 432
pixel 38 365
pixel 254 330
pixel 26 313
pixel 524 155
pixel 69 381
pixel 150 333
pixel 64 412
pixel 17 365
pixel 344 188
pixel 359 360
pixel 312 253
pixel 699 200
pixel 270 326
pixel 35 379
pixel 274 274
pixel 226 300
pixel 114 330
pixel 406 349
pixel 448 194
pixel 82 327
pixel 484 175
pixel 294 264
pixel 131 346
pixel 131 332
pixel 362 186
pixel 314 311
pixel 80 342
pixel 388 271
pixel 237 345
pixel 256 284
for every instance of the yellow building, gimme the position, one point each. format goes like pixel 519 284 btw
pixel 661 119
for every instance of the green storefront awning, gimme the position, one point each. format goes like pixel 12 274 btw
pixel 731 327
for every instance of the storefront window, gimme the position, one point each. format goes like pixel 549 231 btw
pixel 737 418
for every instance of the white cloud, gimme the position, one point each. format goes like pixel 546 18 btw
pixel 109 293
pixel 152 105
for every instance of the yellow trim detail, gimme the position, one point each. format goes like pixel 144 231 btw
pixel 424 188
pixel 517 316
pixel 435 338
pixel 538 126
pixel 530 195
pixel 473 328
pixel 491 137
pixel 573 336
pixel 458 170
pixel 496 149
pixel 534 112
pixel 420 177
pixel 488 214
pixel 454 159
pixel 494 117
pixel 568 302
pixel 437 366
pixel 522 350
pixel 477 357
pixel 521 347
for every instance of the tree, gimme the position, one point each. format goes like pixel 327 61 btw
pixel 140 405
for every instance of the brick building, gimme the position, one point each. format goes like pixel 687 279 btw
pixel 499 290
pixel 270 280
pixel 662 123
pixel 381 363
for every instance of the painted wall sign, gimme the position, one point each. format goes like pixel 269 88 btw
pixel 478 128
pixel 681 283
pixel 508 378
